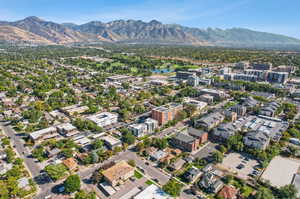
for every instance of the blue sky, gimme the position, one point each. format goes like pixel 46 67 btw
pixel 277 16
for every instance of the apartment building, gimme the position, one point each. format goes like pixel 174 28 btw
pixel 118 173
pixel 166 113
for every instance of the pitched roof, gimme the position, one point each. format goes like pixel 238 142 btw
pixel 70 163
pixel 228 192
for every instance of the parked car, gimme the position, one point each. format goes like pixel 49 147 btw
pixel 240 166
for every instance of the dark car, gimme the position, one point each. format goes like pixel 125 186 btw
pixel 240 166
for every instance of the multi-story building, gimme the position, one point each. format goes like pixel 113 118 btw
pixel 218 94
pixel 257 139
pixel 138 130
pixel 278 77
pixel 44 134
pixel 104 119
pixel 262 66
pixel 210 121
pixel 111 142
pixel 166 113
pixel 260 74
pixel 242 65
pixel 74 109
pixel 239 109
pixel 118 173
pixel 67 129
pixel 200 105
pixel 184 74
pixel 193 80
pixel 185 142
pixel 269 109
pixel 242 77
pixel 207 98
pixel 151 125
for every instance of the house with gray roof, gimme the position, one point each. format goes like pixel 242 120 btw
pixel 257 139
pixel 185 142
pixel 210 121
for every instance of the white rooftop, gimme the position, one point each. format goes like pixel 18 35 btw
pixel 152 192
pixel 39 133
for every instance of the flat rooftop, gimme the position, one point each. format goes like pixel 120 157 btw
pixel 117 171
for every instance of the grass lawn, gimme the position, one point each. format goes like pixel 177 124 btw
pixel 137 174
pixel 246 191
pixel 149 182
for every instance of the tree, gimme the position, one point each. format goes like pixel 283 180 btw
pixel 218 157
pixel 287 192
pixel 84 195
pixel 173 188
pixel 263 193
pixel 96 177
pixel 72 184
pixel 129 138
pixel 97 144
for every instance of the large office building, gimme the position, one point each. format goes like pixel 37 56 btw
pixel 278 77
pixel 184 74
pixel 261 66
pixel 166 113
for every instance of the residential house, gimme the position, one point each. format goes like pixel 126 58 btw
pixel 192 174
pixel 158 155
pixel 178 164
pixel 71 164
pixel 53 152
pixel 4 167
pixel 211 183
pixel 228 192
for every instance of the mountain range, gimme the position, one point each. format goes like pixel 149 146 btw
pixel 37 31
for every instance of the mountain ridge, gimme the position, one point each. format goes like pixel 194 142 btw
pixel 137 31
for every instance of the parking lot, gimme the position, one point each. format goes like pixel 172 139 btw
pixel 240 164
pixel 280 171
pixel 205 151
